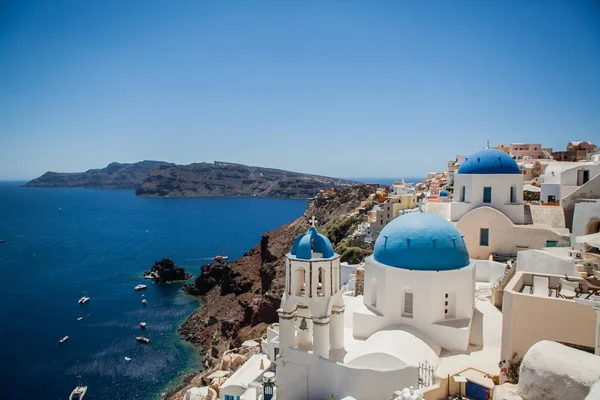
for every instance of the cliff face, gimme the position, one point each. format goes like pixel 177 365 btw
pixel 242 297
pixel 114 176
pixel 227 179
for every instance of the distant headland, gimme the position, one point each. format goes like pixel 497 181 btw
pixel 163 179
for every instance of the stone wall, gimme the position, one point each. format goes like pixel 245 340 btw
pixel 359 289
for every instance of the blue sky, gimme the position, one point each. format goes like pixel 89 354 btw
pixel 340 88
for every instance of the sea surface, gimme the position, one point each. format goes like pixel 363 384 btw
pixel 62 243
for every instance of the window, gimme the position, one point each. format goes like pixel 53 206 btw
pixel 230 397
pixel 463 191
pixel 512 195
pixel 484 237
pixel 487 194
pixel 407 311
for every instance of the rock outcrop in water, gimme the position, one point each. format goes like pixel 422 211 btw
pixel 242 297
pixel 158 178
pixel 165 271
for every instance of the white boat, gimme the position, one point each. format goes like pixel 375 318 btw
pixel 79 319
pixel 127 359
pixel 143 325
pixel 83 300
pixel 140 287
pixel 61 341
pixel 144 301
pixel 79 392
pixel 142 339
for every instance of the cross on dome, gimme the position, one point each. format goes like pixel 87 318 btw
pixel 313 221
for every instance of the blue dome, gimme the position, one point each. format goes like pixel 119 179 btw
pixel 421 241
pixel 444 193
pixel 312 240
pixel 489 161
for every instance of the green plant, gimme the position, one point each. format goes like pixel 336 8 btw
pixel 330 397
pixel 531 196
pixel 352 255
pixel 339 229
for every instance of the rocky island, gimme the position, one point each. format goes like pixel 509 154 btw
pixel 165 271
pixel 113 176
pixel 162 179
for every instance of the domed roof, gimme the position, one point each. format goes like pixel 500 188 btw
pixel 443 193
pixel 312 240
pixel 489 161
pixel 421 241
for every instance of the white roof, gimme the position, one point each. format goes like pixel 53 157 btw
pixel 555 169
pixel 250 343
pixel 196 393
pixel 396 348
pixel 248 372
pixel 218 374
pixel 591 240
pixel 530 188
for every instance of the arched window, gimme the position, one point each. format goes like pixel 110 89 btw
pixel 321 282
pixel 298 282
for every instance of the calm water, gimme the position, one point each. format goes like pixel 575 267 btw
pixel 100 243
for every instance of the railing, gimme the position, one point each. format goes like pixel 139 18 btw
pixel 556 244
pixel 425 375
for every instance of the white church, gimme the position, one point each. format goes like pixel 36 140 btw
pixel 419 302
pixel 488 208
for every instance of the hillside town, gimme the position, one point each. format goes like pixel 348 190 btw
pixel 480 282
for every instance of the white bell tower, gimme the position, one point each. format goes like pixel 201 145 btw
pixel 311 316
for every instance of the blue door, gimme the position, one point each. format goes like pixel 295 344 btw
pixel 476 392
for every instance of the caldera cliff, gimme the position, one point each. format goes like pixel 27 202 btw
pixel 242 297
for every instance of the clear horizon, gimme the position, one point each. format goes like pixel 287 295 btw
pixel 330 88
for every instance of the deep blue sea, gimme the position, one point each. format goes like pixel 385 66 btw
pixel 60 243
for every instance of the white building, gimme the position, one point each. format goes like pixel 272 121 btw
pixel 401 189
pixel 568 260
pixel 245 383
pixel 488 208
pixel 419 299
pixel 562 178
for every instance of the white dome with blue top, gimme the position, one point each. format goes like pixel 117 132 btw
pixel 489 161
pixel 312 241
pixel 421 241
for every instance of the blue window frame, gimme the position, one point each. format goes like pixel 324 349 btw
pixel 487 194
pixel 484 237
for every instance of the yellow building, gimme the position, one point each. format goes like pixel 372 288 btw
pixel 390 210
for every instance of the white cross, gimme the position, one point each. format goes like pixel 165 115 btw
pixel 313 221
